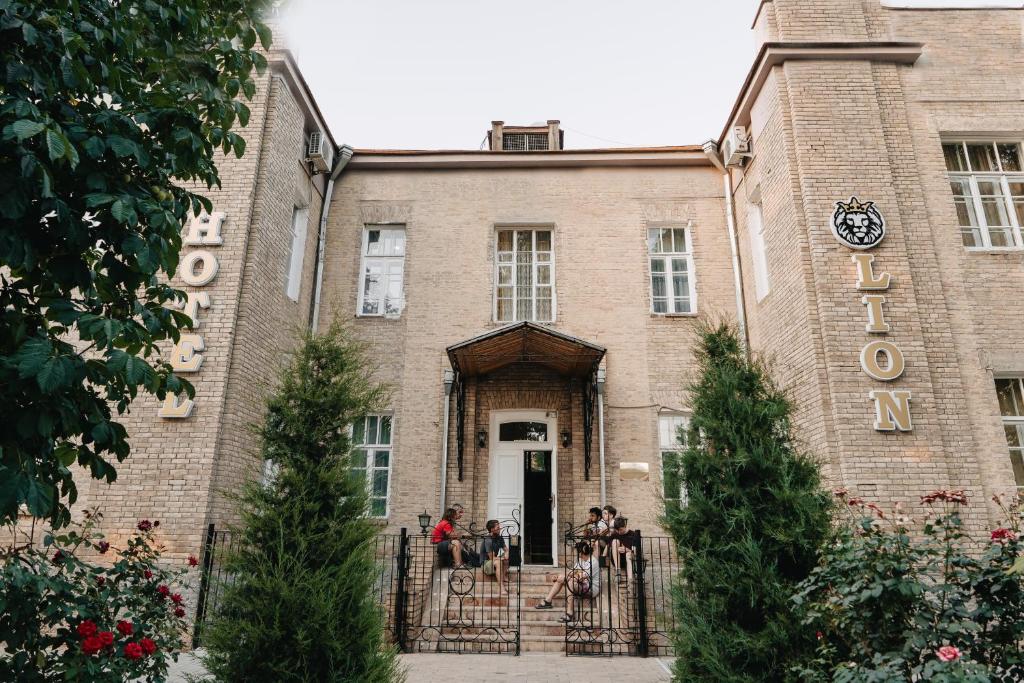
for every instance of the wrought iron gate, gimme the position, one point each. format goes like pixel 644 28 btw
pixel 631 611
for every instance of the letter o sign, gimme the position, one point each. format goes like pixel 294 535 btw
pixel 198 268
pixel 894 363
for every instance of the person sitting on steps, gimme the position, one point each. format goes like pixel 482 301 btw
pixel 493 550
pixel 583 581
pixel 622 547
pixel 449 548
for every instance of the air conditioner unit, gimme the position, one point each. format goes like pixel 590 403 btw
pixel 736 146
pixel 319 152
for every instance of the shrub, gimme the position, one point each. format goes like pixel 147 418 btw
pixel 751 529
pixel 894 601
pixel 63 618
pixel 300 605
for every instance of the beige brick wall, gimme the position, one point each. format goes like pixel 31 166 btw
pixel 599 217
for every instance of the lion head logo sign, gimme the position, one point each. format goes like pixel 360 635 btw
pixel 858 224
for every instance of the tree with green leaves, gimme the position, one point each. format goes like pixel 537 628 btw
pixel 109 112
pixel 752 526
pixel 300 605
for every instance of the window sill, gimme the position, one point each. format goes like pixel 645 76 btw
pixel 675 315
pixel 364 316
pixel 995 250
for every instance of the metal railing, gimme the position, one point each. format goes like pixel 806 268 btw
pixel 627 608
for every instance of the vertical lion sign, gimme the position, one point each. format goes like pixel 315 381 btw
pixel 860 226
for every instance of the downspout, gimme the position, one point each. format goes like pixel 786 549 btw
pixel 449 381
pixel 340 162
pixel 711 151
pixel 600 433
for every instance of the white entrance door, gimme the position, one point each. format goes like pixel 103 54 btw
pixel 512 434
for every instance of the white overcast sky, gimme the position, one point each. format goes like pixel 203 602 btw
pixel 433 74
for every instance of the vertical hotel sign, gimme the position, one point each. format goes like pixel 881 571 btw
pixel 197 269
pixel 859 226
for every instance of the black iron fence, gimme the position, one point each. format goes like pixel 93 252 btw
pixel 427 605
pixel 618 595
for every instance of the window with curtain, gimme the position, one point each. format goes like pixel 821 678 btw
pixel 1010 391
pixel 988 191
pixel 371 459
pixel 296 251
pixel 672 272
pixel 759 255
pixel 672 443
pixel 525 276
pixel 383 269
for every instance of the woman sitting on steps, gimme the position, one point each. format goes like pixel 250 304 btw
pixel 584 581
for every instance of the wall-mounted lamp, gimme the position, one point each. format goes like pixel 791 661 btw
pixel 566 438
pixel 481 438
pixel 424 522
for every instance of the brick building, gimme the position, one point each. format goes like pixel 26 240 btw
pixel 532 306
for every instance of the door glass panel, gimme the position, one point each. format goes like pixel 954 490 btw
pixel 523 431
pixel 538 461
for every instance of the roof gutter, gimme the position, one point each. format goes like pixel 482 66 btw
pixel 341 159
pixel 711 151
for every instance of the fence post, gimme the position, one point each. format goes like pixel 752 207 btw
pixel 641 597
pixel 204 584
pixel 403 573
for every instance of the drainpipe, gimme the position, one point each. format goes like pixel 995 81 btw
pixel 600 432
pixel 449 381
pixel 711 151
pixel 340 162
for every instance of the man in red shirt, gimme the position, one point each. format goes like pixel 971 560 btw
pixel 444 538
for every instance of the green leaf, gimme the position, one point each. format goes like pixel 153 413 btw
pixel 37 496
pixel 52 375
pixel 122 147
pixel 24 129
pixel 32 355
pixel 55 144
pixel 121 211
pixel 1017 567
pixel 265 34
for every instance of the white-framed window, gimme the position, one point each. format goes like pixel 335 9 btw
pixel 988 190
pixel 671 444
pixel 1010 391
pixel 296 251
pixel 382 271
pixel 759 256
pixel 371 459
pixel 523 142
pixel 270 471
pixel 524 276
pixel 672 272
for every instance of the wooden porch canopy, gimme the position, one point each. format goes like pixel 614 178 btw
pixel 523 343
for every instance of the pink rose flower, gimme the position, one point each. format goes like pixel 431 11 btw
pixel 948 653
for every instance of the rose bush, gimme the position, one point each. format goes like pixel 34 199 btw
pixel 894 601
pixel 63 618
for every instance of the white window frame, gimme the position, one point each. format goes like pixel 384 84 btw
pixel 296 253
pixel 1016 421
pixel 677 419
pixel 369 467
pixel 667 257
pixel 758 251
pixel 385 261
pixel 533 229
pixel 1003 178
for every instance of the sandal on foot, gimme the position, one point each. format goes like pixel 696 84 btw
pixel 544 604
pixel 565 618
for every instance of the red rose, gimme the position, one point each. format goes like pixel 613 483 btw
pixel 133 651
pixel 57 558
pixel 176 598
pixel 819 635
pixel 148 646
pixel 91 645
pixel 156 523
pixel 103 547
pixel 124 628
pixel 144 525
pixel 100 581
pixel 163 591
pixel 106 638
pixel 1002 534
pixel 148 574
pixel 86 628
pixel 192 561
pixel 179 612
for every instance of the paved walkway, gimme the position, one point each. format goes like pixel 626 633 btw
pixel 531 667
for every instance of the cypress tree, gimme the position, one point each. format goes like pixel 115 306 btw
pixel 752 526
pixel 300 605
